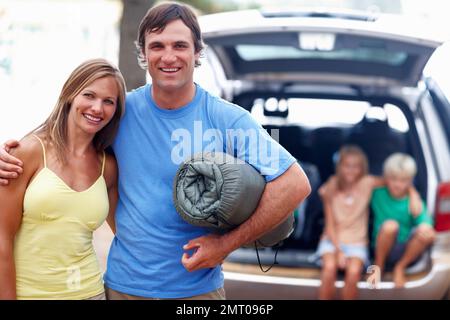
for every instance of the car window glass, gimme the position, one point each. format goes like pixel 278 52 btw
pixel 326 112
pixel 250 52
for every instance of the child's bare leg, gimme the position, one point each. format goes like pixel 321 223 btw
pixel 422 238
pixel 354 267
pixel 385 241
pixel 327 288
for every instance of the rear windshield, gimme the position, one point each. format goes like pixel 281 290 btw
pixel 314 113
pixel 270 52
pixel 321 53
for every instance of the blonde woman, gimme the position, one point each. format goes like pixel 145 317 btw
pixel 67 190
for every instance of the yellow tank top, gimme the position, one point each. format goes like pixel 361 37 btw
pixel 54 255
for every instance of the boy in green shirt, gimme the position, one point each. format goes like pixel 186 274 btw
pixel 400 236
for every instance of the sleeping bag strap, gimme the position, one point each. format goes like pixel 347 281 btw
pixel 274 259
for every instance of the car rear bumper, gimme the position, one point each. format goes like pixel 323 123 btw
pixel 251 286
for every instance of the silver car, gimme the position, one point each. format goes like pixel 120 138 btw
pixel 319 80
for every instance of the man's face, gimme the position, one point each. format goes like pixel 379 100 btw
pixel 171 57
pixel 398 184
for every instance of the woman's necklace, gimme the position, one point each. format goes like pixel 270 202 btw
pixel 349 196
pixel 349 199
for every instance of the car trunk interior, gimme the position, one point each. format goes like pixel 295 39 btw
pixel 316 149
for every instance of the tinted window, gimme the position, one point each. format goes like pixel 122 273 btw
pixel 325 112
pixel 269 52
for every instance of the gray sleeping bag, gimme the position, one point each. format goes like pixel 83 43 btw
pixel 218 191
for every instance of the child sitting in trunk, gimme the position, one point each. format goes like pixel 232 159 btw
pixel 344 243
pixel 401 235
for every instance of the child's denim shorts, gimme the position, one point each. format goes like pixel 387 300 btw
pixel 349 250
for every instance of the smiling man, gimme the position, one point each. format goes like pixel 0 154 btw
pixel 155 254
pixel 151 253
pixel 170 55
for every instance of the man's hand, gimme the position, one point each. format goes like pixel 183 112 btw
pixel 10 167
pixel 210 251
pixel 280 197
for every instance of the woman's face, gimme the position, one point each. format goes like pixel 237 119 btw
pixel 350 168
pixel 95 105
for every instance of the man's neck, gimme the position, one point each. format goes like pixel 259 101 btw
pixel 173 99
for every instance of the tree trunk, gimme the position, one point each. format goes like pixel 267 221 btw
pixel 133 12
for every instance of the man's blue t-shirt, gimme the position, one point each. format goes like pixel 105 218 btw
pixel 145 255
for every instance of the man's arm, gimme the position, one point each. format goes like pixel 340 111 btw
pixel 10 166
pixel 279 199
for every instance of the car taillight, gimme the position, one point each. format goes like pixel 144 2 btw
pixel 442 214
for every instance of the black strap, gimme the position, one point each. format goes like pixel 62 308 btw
pixel 274 259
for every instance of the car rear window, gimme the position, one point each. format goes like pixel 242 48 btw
pixel 250 52
pixel 316 113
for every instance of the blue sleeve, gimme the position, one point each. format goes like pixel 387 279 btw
pixel 248 141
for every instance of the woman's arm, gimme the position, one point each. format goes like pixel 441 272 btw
pixel 111 176
pixel 11 209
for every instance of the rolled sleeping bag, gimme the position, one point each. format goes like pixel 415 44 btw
pixel 219 192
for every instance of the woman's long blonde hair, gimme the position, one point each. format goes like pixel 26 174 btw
pixel 54 129
pixel 353 150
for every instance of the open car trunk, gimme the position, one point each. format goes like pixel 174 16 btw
pixel 290 55
pixel 300 47
pixel 316 148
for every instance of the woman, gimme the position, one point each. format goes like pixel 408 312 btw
pixel 67 190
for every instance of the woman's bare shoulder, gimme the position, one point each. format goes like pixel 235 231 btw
pixel 28 150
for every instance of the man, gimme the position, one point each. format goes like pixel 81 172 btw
pixel 155 254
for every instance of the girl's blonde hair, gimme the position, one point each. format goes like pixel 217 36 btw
pixel 400 164
pixel 54 129
pixel 353 150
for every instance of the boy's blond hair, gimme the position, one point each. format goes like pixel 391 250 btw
pixel 400 164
